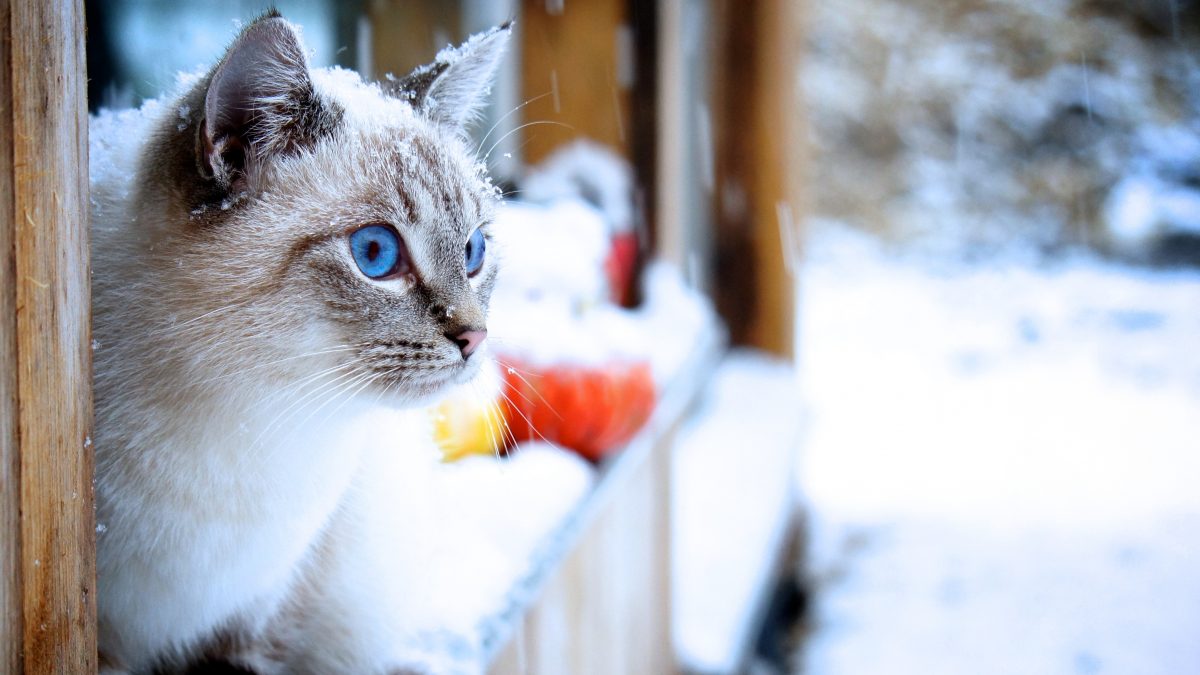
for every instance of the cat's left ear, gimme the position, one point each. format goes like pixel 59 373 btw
pixel 259 104
pixel 454 88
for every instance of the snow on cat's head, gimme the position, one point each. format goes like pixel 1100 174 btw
pixel 312 223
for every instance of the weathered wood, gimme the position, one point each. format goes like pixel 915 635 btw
pixel 47 511
pixel 11 626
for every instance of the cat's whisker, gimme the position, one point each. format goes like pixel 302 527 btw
pixel 319 352
pixel 490 415
pixel 508 438
pixel 322 401
pixel 205 315
pixel 506 116
pixel 528 422
pixel 383 392
pixel 517 151
pixel 498 417
pixel 347 396
pixel 512 370
pixel 534 123
pixel 310 378
pixel 291 410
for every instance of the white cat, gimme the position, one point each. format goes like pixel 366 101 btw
pixel 287 248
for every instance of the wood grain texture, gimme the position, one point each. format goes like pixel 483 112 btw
pixel 572 74
pixel 45 341
pixel 11 626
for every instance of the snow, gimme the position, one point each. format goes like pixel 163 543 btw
pixel 551 253
pixel 470 534
pixel 550 302
pixel 112 159
pixel 489 520
pixel 589 171
pixel 732 501
pixel 1000 471
pixel 1143 207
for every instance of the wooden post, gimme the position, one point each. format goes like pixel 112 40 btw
pixel 576 74
pixel 47 521
pixel 759 164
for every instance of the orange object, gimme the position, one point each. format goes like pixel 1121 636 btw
pixel 590 409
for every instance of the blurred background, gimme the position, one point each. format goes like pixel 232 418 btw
pixel 875 350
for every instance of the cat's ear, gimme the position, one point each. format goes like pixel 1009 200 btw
pixel 259 103
pixel 454 88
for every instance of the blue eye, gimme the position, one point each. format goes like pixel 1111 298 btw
pixel 476 246
pixel 377 250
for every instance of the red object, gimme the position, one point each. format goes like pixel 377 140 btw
pixel 590 409
pixel 618 267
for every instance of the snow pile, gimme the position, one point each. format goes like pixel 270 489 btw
pixel 1158 195
pixel 1001 466
pixel 589 171
pixel 491 519
pixel 549 305
pixel 731 503
pixel 112 158
pixel 452 544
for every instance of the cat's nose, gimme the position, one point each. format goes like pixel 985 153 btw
pixel 468 341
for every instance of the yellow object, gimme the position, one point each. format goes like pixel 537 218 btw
pixel 462 428
pixel 471 420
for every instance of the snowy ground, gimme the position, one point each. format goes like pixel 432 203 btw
pixel 1003 466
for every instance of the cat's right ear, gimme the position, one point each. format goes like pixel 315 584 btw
pixel 452 90
pixel 259 103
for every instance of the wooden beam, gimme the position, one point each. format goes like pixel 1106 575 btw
pixel 47 564
pixel 11 626
pixel 759 163
pixel 576 73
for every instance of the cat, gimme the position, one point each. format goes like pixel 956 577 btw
pixel 280 250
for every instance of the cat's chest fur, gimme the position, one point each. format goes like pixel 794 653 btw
pixel 221 538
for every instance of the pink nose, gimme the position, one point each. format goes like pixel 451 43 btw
pixel 468 341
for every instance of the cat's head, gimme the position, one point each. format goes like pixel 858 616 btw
pixel 325 224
